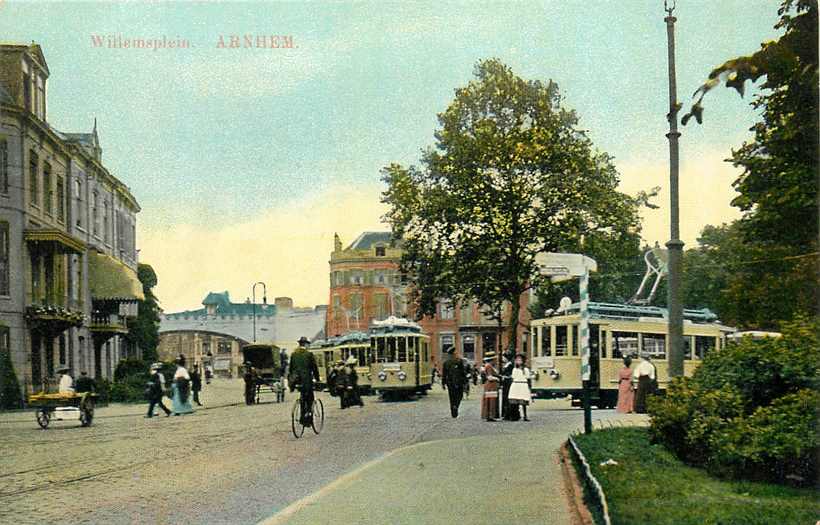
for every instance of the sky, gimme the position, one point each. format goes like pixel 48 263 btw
pixel 246 161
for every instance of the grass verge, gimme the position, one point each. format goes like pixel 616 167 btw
pixel 650 485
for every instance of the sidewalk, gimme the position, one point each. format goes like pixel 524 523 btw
pixel 445 482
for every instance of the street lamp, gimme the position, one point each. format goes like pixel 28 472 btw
pixel 264 301
pixel 675 245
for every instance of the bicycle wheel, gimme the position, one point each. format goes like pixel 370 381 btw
pixel 296 419
pixel 318 416
pixel 43 418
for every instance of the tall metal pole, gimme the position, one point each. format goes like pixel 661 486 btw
pixel 675 245
pixel 253 299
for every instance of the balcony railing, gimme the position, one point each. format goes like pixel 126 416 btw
pixel 62 310
pixel 106 322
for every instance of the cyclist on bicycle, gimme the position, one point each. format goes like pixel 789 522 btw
pixel 303 372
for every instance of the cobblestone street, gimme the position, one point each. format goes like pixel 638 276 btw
pixel 228 463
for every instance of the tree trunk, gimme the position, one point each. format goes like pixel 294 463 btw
pixel 515 312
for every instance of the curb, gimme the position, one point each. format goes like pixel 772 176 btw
pixel 591 480
pixel 580 514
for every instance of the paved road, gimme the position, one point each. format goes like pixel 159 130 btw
pixel 228 464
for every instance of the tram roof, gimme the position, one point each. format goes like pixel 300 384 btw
pixel 630 312
pixel 394 325
pixel 352 337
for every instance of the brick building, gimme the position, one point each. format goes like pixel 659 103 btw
pixel 366 285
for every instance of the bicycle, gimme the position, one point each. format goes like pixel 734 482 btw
pixel 316 424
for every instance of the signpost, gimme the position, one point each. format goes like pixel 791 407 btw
pixel 563 267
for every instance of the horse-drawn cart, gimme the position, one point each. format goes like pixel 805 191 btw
pixel 66 406
pixel 264 358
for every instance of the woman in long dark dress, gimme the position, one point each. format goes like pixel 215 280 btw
pixel 353 395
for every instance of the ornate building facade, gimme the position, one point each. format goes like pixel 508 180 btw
pixel 68 257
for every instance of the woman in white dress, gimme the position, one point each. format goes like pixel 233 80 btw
pixel 520 393
pixel 181 388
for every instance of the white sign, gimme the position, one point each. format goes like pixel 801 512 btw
pixel 564 266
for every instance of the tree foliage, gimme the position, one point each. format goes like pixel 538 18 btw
pixel 144 330
pixel 9 386
pixel 777 189
pixel 749 285
pixel 511 175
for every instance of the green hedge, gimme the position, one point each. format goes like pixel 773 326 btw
pixel 750 410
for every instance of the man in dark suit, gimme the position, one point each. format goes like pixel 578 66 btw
pixel 303 372
pixel 453 378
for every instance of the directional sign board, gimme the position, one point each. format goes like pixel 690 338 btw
pixel 564 266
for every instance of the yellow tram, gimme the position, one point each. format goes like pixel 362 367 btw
pixel 615 331
pixel 400 357
pixel 357 344
pixel 326 355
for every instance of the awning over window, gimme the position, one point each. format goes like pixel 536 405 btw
pixel 66 242
pixel 110 279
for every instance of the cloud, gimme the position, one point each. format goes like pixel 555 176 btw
pixel 288 248
pixel 705 193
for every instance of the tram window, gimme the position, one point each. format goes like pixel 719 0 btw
pixel 381 350
pixel 687 347
pixel 654 345
pixel 704 345
pixel 576 339
pixel 546 341
pixel 560 341
pixel 624 344
pixel 401 344
pixel 391 349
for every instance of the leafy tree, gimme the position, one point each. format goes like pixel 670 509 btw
pixel 749 285
pixel 144 330
pixel 511 175
pixel 777 190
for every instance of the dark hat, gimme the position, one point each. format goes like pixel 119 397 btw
pixel 304 341
pixel 450 349
pixel 522 356
pixel 62 369
pixel 489 358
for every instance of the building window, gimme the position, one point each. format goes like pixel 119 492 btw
pixel 78 195
pixel 4 258
pixel 337 308
pixel 105 222
pixel 380 300
pixel 41 95
pixel 4 167
pixel 48 192
pixel 223 347
pixel 381 251
pixel 4 340
pixel 94 214
pixel 34 186
pixel 357 278
pixel 445 342
pixel 60 199
pixel 27 91
pixel 446 310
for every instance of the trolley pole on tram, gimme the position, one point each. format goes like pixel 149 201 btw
pixel 675 245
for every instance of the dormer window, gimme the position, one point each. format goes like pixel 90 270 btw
pixel 381 251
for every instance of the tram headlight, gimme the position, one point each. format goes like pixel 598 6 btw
pixel 383 376
pixel 555 374
pixel 402 376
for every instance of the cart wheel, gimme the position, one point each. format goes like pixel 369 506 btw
pixel 43 418
pixel 318 416
pixel 86 416
pixel 295 419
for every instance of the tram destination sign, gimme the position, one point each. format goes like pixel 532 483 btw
pixel 564 266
